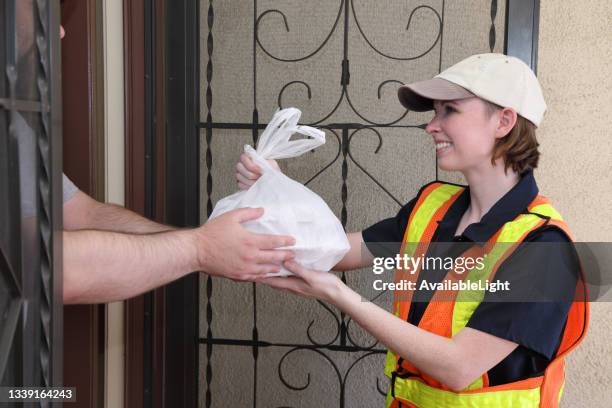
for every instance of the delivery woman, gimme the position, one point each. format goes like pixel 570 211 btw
pixel 460 347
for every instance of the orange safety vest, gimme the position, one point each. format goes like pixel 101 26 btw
pixel 449 311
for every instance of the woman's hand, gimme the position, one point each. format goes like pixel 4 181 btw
pixel 247 172
pixel 308 283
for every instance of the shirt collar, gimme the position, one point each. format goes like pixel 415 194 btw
pixel 505 209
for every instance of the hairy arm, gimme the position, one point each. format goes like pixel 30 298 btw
pixel 83 212
pixel 104 266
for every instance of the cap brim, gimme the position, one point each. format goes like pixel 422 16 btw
pixel 419 96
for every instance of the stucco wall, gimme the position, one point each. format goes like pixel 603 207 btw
pixel 576 169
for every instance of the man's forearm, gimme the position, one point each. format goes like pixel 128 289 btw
pixel 112 217
pixel 103 266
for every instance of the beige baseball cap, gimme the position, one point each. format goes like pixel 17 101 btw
pixel 500 79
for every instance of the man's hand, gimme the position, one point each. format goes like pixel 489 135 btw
pixel 225 248
pixel 247 172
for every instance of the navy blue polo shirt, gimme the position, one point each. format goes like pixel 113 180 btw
pixel 536 326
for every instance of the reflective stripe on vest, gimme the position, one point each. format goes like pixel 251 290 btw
pixel 447 316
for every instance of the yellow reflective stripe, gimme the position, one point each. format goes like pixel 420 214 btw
pixel 468 300
pixel 547 210
pixel 561 391
pixel 389 399
pixel 426 210
pixel 424 213
pixel 476 384
pixel 424 396
pixel 390 363
pixel 513 230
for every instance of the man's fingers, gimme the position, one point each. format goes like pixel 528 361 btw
pixel 247 214
pixel 257 273
pixel 262 270
pixel 274 256
pixel 270 241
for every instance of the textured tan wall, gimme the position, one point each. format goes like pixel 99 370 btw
pixel 576 169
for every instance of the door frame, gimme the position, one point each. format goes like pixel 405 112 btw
pixel 144 67
pixel 83 148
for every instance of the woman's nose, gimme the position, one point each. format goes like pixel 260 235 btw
pixel 433 126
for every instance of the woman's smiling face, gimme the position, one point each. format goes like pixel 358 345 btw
pixel 464 133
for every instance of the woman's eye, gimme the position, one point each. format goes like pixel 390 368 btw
pixel 449 109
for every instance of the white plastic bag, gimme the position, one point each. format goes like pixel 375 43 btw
pixel 289 207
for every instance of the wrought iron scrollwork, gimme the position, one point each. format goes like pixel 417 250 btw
pixel 333 132
pixel 281 59
pixel 345 94
pixel 342 379
pixel 363 357
pixel 280 94
pixel 412 13
pixel 350 155
pixel 340 331
pixel 338 327
pixel 307 384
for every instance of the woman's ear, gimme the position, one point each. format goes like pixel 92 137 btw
pixel 507 120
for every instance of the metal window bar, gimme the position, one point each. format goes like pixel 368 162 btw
pixel 30 248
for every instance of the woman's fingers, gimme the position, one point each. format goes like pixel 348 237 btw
pixel 247 172
pixel 275 282
pixel 244 181
pixel 251 175
pixel 249 164
pixel 298 270
pixel 291 283
pixel 274 164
